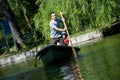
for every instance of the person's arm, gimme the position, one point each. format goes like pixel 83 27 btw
pixel 63 19
pixel 59 29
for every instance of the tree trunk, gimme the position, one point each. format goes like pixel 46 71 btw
pixel 13 25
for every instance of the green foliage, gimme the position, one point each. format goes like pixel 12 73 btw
pixel 24 9
pixel 80 14
pixel 101 13
pixel 28 7
pixel 116 11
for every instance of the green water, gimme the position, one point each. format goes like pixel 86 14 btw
pixel 23 70
pixel 99 61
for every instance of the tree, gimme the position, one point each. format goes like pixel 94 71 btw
pixel 25 15
pixel 6 11
pixel 81 14
pixel 24 11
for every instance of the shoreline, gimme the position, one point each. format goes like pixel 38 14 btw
pixel 76 41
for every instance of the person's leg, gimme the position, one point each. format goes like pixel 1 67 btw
pixel 53 41
pixel 58 43
pixel 61 41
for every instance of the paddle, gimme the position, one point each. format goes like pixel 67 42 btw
pixel 73 50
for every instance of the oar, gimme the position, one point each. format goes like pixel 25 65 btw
pixel 73 49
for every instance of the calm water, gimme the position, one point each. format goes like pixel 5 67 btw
pixel 26 71
pixel 98 61
pixel 101 59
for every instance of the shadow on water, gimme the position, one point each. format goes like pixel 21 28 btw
pixel 63 71
pixel 115 29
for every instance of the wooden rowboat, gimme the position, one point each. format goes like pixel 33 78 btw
pixel 52 54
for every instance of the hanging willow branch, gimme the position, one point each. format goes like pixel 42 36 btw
pixel 25 15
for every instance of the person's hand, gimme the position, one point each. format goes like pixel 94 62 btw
pixel 63 19
pixel 65 28
pixel 61 13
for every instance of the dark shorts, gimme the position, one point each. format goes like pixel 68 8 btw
pixel 54 41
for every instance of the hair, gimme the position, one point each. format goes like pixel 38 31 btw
pixel 52 13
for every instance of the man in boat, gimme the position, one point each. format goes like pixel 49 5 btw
pixel 55 30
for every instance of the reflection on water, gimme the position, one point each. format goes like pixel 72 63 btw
pixel 68 72
pixel 27 71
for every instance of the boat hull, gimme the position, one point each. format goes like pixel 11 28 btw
pixel 53 54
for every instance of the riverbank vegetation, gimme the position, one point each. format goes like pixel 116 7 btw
pixel 29 20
